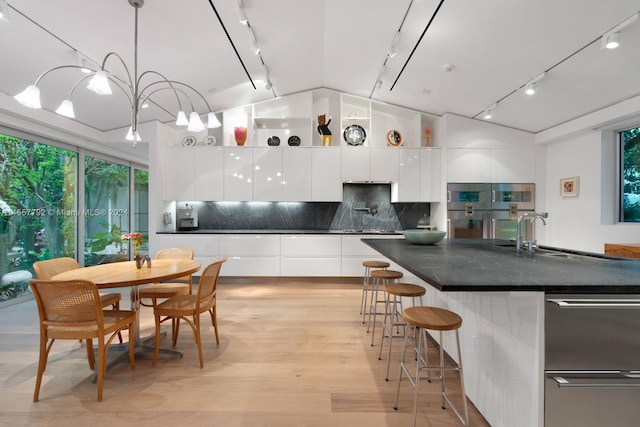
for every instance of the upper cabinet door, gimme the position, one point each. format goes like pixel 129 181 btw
pixel 430 175
pixel 267 174
pixel 383 164
pixel 355 164
pixel 179 173
pixel 296 182
pixel 238 173
pixel 326 182
pixel 209 176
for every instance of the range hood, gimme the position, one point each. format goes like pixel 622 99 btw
pixel 367 182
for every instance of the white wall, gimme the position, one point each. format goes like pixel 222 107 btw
pixel 585 222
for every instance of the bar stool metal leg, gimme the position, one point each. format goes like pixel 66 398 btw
pixel 421 320
pixel 365 293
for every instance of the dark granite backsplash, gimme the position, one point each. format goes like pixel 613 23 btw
pixel 316 215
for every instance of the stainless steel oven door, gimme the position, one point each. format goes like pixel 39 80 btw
pixel 591 399
pixel 505 196
pixel 469 225
pixel 504 225
pixel 461 195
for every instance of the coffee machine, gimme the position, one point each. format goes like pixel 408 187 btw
pixel 187 218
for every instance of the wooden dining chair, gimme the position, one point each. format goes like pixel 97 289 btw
pixel 162 291
pixel 72 309
pixel 46 269
pixel 190 307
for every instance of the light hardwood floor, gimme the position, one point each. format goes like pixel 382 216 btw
pixel 291 354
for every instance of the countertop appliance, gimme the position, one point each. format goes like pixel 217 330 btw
pixel 592 360
pixel 469 210
pixel 187 218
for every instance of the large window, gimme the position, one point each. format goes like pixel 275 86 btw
pixel 630 176
pixel 41 208
pixel 38 202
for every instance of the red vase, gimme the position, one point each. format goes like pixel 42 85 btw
pixel 240 135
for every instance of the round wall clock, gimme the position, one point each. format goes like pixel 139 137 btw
pixel 394 138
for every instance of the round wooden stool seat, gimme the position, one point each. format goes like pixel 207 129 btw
pixel 376 264
pixel 434 318
pixel 386 274
pixel 404 289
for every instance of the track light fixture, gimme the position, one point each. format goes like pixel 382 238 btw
pixel 530 89
pixel 242 14
pixel 488 113
pixel 4 11
pixel 611 39
pixel 100 81
pixel 531 86
pixel 392 49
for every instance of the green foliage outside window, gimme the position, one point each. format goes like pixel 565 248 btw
pixel 631 175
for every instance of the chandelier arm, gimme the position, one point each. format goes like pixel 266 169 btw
pixel 104 63
pixel 59 67
pixel 174 89
pixel 164 80
pixel 195 91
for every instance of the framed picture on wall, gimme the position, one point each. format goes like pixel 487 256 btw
pixel 569 186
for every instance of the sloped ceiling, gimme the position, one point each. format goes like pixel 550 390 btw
pixel 453 56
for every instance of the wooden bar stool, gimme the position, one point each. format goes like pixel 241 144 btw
pixel 380 278
pixel 393 312
pixel 437 319
pixel 368 265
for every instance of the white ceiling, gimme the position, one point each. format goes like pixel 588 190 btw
pixel 494 46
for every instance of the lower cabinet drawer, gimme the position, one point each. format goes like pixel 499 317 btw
pixel 238 266
pixel 329 266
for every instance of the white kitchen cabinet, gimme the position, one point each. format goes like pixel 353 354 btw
pixel 430 175
pixel 250 254
pixel 490 165
pixel 206 247
pixel 326 181
pixel 513 164
pixel 355 164
pixel 384 164
pixel 267 174
pixel 407 188
pixel 179 173
pixel 193 173
pixel 209 175
pixel 238 174
pixel 296 169
pixel 310 255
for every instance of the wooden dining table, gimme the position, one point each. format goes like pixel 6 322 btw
pixel 126 274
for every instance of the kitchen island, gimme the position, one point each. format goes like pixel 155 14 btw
pixel 501 298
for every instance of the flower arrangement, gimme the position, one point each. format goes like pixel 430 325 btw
pixel 136 240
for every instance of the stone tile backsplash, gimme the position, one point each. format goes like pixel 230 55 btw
pixel 350 214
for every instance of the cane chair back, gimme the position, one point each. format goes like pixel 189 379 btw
pixel 72 310
pixel 190 307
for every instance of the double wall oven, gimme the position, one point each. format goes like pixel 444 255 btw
pixel 485 210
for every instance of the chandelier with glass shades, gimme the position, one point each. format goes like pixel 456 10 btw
pixel 136 91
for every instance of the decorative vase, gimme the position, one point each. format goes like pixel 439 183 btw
pixel 138 260
pixel 240 134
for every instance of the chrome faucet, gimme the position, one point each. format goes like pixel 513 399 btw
pixel 531 217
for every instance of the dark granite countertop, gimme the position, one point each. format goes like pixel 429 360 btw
pixel 492 265
pixel 283 231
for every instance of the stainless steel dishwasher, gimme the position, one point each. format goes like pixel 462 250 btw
pixel 592 360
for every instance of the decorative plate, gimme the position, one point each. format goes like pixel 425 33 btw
pixel 209 140
pixel 394 138
pixel 294 141
pixel 189 141
pixel 273 141
pixel 354 135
